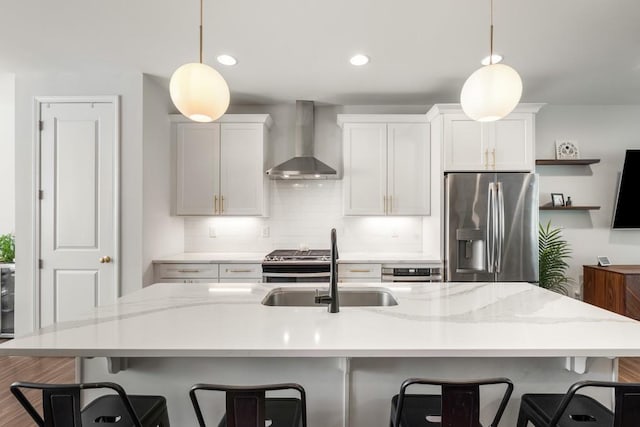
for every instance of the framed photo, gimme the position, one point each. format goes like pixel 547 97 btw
pixel 567 149
pixel 557 199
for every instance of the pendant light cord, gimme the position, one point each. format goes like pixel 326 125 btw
pixel 201 7
pixel 491 36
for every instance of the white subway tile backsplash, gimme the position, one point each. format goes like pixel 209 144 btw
pixel 302 213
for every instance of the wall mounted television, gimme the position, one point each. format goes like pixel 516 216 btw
pixel 627 210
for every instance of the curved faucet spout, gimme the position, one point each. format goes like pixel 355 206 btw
pixel 334 304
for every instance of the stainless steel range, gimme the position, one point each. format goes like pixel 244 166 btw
pixel 290 265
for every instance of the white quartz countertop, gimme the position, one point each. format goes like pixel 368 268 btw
pixel 389 258
pixel 431 320
pixel 213 257
pixel 345 257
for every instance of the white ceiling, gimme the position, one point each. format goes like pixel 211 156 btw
pixel 567 51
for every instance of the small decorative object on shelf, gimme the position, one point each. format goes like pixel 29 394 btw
pixel 568 202
pixel 567 149
pixel 557 199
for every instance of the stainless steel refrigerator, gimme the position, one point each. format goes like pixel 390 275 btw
pixel 491 222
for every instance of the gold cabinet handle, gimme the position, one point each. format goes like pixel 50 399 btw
pixel 384 200
pixel 221 204
pixel 215 205
pixel 105 259
pixel 493 153
pixel 486 158
pixel 356 270
pixel 238 271
pixel 188 271
pixel 390 204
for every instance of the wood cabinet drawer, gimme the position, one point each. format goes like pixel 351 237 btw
pixel 186 271
pixel 248 271
pixel 373 271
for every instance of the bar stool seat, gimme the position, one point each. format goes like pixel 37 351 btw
pixel 248 406
pixel 151 411
pixel 577 410
pixel 61 406
pixel 458 405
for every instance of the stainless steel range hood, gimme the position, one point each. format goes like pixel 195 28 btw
pixel 303 165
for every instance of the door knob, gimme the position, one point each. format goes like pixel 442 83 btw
pixel 105 259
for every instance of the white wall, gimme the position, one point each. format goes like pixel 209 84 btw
pixel 129 86
pixel 7 153
pixel 162 233
pixel 303 212
pixel 603 132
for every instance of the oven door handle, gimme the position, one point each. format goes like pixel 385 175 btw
pixel 325 274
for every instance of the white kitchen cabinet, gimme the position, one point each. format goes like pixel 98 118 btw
pixel 185 272
pixel 470 146
pixel 241 272
pixel 359 273
pixel 220 166
pixel 386 164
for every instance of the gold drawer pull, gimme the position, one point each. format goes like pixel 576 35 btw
pixel 188 271
pixel 359 271
pixel 238 271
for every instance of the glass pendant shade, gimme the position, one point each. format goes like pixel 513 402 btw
pixel 491 93
pixel 199 92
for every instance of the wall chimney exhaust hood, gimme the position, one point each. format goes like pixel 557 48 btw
pixel 303 165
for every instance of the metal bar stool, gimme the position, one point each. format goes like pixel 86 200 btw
pixel 247 406
pixel 457 406
pixel 571 409
pixel 61 406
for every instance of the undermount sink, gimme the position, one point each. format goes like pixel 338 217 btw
pixel 349 297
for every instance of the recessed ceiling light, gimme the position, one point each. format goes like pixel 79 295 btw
pixel 359 60
pixel 227 60
pixel 497 58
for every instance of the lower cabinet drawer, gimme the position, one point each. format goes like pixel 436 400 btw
pixel 372 271
pixel 240 271
pixel 186 271
pixel 188 280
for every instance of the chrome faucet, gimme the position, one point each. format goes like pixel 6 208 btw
pixel 332 298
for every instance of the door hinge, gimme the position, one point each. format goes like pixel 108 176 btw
pixel 40 194
pixel 41 125
pixel 40 264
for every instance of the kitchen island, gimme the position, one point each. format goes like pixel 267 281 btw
pixel 167 337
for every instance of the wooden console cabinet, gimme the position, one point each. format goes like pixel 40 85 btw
pixel 615 288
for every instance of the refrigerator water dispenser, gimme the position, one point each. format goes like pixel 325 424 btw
pixel 471 250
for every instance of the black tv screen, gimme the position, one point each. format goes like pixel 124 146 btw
pixel 627 213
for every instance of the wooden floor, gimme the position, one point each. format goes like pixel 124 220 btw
pixel 62 370
pixel 35 369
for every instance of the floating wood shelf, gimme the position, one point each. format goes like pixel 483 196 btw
pixel 569 208
pixel 567 161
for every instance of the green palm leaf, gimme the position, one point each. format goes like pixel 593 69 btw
pixel 553 253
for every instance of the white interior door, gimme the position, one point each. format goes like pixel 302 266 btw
pixel 78 221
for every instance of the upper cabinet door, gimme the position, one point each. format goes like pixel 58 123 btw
pixel 408 169
pixel 512 139
pixel 365 168
pixel 198 156
pixel 505 145
pixel 466 145
pixel 241 169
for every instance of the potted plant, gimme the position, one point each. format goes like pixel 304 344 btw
pixel 7 248
pixel 553 252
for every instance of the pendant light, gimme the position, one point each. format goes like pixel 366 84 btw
pixel 198 91
pixel 493 91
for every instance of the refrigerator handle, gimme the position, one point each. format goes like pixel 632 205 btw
pixel 500 230
pixel 490 228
